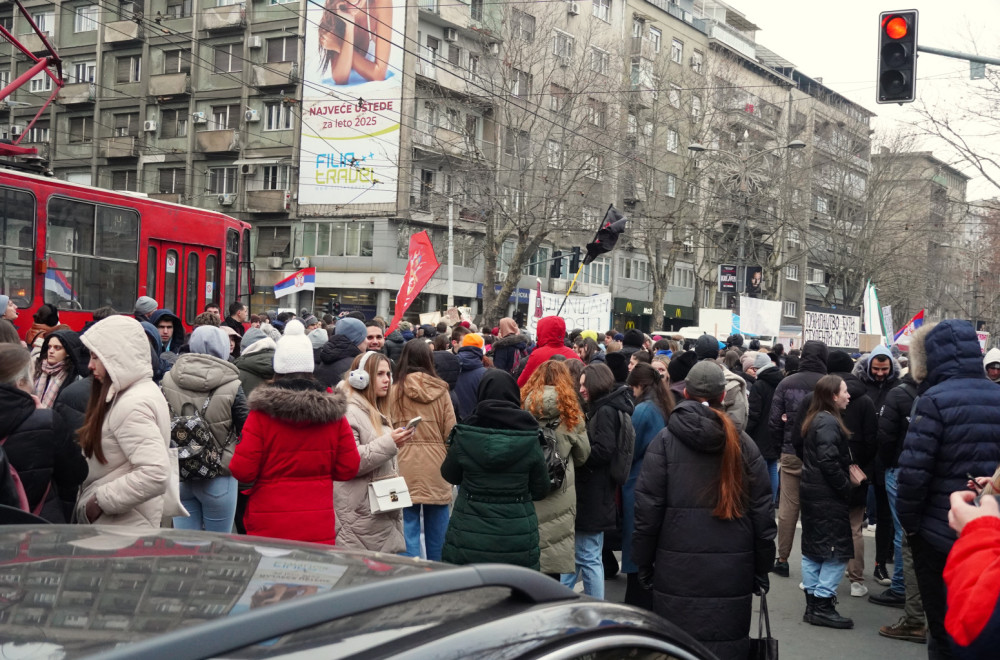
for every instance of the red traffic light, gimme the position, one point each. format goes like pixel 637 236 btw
pixel 896 27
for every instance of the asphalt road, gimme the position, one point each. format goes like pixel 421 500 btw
pixel 786 604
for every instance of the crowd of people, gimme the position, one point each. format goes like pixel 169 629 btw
pixel 696 459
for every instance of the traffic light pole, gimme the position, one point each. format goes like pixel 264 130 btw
pixel 957 55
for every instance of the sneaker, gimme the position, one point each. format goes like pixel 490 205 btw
pixel 889 598
pixel 906 632
pixel 881 576
pixel 802 586
pixel 858 590
pixel 780 568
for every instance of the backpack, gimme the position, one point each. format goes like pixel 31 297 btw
pixel 554 462
pixel 621 460
pixel 198 454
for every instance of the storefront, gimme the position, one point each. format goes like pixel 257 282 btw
pixel 638 314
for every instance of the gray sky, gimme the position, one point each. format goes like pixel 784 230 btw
pixel 837 41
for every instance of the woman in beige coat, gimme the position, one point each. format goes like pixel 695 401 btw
pixel 126 433
pixel 378 445
pixel 418 392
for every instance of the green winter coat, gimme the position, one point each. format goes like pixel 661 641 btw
pixel 255 368
pixel 499 472
pixel 557 512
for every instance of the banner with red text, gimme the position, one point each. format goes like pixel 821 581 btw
pixel 420 267
pixel 352 83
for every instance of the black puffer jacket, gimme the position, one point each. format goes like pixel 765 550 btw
pixel 789 393
pixel 825 491
pixel 758 427
pixel 394 345
pixel 447 366
pixel 72 403
pixel 596 508
pixel 704 567
pixel 41 449
pixel 894 420
pixel 335 360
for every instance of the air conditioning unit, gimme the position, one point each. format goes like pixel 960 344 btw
pixel 574 9
pixel 199 118
pixel 149 126
pixel 16 129
pixel 494 49
pixel 450 34
pixel 227 199
pixel 255 42
pixel 251 115
pixel 562 60
pixel 274 262
pixel 301 262
pixel 247 168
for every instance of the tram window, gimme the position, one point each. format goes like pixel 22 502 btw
pixel 232 263
pixel 117 233
pixel 246 286
pixel 71 227
pixel 17 238
pixel 151 270
pixel 212 279
pixel 170 289
pixel 191 294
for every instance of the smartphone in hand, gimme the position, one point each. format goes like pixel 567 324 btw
pixel 413 423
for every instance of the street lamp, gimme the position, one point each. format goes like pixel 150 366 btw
pixel 744 182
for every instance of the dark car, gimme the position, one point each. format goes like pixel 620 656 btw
pixel 79 591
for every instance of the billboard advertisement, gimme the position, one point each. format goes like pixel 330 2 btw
pixel 352 84
pixel 727 279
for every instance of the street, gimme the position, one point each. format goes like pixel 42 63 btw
pixel 786 604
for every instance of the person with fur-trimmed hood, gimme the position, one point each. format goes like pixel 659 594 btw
pixel 735 404
pixel 295 444
pixel 879 372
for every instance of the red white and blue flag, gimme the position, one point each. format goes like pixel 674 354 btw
pixel 902 338
pixel 56 282
pixel 303 280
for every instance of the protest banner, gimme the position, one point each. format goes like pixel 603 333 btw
pixel 836 330
pixel 585 312
pixel 760 317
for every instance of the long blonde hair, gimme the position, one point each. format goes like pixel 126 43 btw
pixel 377 407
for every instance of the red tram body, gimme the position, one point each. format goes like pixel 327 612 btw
pixel 82 248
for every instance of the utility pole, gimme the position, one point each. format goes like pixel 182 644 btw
pixel 451 251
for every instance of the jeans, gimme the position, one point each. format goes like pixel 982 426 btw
pixel 821 578
pixel 891 487
pixel 790 466
pixel 772 471
pixel 435 525
pixel 589 564
pixel 211 503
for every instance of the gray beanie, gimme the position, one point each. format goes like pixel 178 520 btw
pixel 4 300
pixel 353 329
pixel 145 305
pixel 706 380
pixel 318 337
pixel 210 340
pixel 270 331
pixel 252 335
pixel 761 361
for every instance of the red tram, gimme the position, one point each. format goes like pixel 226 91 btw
pixel 82 248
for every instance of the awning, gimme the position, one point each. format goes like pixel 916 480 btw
pixel 264 161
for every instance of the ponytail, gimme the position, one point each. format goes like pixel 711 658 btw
pixel 731 503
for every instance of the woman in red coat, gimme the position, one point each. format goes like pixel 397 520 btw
pixel 296 442
pixel 551 340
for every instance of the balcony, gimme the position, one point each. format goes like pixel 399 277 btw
pixel 122 32
pixel 170 84
pixel 77 94
pixel 643 47
pixel 167 197
pixel 268 201
pixel 276 74
pixel 732 38
pixel 125 146
pixel 228 17
pixel 33 42
pixel 218 142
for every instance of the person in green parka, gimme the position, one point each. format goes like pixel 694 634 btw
pixel 495 457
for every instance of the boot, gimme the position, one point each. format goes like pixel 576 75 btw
pixel 825 614
pixel 810 608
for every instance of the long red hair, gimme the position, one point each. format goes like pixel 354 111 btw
pixel 732 500
pixel 554 373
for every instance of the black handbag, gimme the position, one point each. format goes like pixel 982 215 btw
pixel 764 647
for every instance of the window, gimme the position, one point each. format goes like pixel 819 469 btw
pixel 229 58
pixel 517 143
pixel 17 242
pixel 434 46
pixel 46 21
pixel 602 10
pixel 696 107
pixel 522 83
pixel 538 263
pixel 129 9
pixel 151 269
pixel 171 181
pixel 340 239
pixel 788 308
pixel 38 133
pixel 476 10
pixel 821 204
pixel 671 188
pixel 522 26
pixel 598 271
pixel 656 38
pixel 792 272
pixel 793 238
pixel 221 180
pixel 597 113
pixel 697 61
pixel 275 241
pixel 40 83
pixel 173 123
pixel 594 167
pixel 473 65
pixel 4 77
pixel 126 124
pixel 674 95
pixel 226 116
pixel 84 72
pixel 124 180
pixel 563 45
pixel 815 276
pixel 282 49
pixel 558 97
pixel 692 193
pixel 85 18
pixel 277 116
pixel 191 292
pixel 599 60
pixel 81 129
pixel 453 120
pixel 128 69
pixel 677 51
pixel 672 140
pixel 177 61
pixel 178 8
pixel 554 154
pixel 683 278
pixel 232 262
pixel 454 55
pixel 275 177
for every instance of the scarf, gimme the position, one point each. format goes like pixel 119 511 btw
pixel 50 382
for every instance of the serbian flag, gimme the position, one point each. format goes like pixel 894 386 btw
pixel 56 282
pixel 902 337
pixel 303 280
pixel 538 299
pixel 420 267
pixel 607 236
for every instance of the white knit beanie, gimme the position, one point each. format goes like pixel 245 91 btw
pixel 295 352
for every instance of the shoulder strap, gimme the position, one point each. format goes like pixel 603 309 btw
pixel 554 424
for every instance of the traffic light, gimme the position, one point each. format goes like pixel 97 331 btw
pixel 897 57
pixel 555 270
pixel 574 262
pixel 328 307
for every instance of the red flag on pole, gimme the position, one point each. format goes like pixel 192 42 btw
pixel 420 267
pixel 538 299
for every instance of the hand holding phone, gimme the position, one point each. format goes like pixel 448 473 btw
pixel 413 423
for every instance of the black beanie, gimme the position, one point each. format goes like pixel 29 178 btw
pixel 47 315
pixel 707 348
pixel 680 365
pixel 839 362
pixel 633 338
pixel 618 363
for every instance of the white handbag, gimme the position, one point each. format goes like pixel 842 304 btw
pixel 387 495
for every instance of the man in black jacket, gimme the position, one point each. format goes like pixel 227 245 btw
pixel 758 428
pixel 237 315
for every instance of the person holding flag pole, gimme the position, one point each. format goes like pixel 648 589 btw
pixel 604 241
